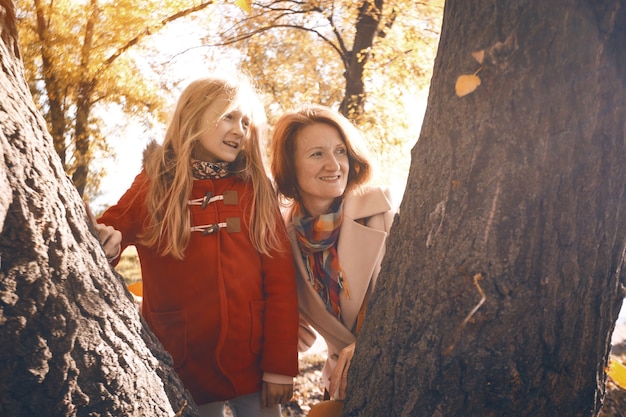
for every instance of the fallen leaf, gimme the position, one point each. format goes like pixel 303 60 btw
pixel 617 372
pixel 466 84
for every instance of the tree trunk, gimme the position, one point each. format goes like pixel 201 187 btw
pixel 82 150
pixel 366 29
pixel 82 154
pixel 71 341
pixel 504 272
pixel 55 115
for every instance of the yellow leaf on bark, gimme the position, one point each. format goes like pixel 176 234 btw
pixel 245 5
pixel 466 84
pixel 479 56
pixel 617 372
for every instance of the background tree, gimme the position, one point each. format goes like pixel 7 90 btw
pixel 72 343
pixel 297 52
pixel 505 271
pixel 371 59
pixel 78 55
pixel 338 39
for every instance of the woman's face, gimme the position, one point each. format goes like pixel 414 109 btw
pixel 322 165
pixel 222 141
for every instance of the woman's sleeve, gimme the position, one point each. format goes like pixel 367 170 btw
pixel 306 336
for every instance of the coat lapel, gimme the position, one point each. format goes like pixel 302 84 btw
pixel 361 247
pixel 359 250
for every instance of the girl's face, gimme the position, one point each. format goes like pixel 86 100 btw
pixel 322 165
pixel 222 141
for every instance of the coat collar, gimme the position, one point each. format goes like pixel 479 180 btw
pixel 366 202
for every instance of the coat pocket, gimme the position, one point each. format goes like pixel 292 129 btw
pixel 171 329
pixel 257 314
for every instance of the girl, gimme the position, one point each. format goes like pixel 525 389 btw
pixel 217 269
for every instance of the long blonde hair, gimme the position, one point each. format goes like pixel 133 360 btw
pixel 169 224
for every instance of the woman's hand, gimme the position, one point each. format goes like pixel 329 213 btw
pixel 339 377
pixel 273 394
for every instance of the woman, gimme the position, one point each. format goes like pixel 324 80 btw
pixel 217 270
pixel 337 226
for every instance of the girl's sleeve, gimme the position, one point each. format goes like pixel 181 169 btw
pixel 126 216
pixel 280 345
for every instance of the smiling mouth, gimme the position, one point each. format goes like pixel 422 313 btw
pixel 331 178
pixel 233 145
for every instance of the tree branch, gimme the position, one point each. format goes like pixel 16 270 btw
pixel 268 28
pixel 148 31
pixel 275 12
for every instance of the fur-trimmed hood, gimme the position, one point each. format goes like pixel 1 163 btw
pixel 150 151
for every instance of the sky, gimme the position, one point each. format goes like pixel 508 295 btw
pixel 121 170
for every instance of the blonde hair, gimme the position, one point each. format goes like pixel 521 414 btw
pixel 169 224
pixel 283 147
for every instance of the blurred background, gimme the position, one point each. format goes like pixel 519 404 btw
pixel 106 75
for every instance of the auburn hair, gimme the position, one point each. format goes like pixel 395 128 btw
pixel 169 224
pixel 283 147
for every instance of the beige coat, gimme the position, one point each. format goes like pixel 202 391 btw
pixel 360 250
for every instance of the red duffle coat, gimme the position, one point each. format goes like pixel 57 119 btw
pixel 225 313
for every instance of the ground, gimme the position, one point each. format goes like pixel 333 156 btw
pixel 308 386
pixel 615 399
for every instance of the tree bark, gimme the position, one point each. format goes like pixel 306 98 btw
pixel 504 273
pixel 55 114
pixel 82 149
pixel 366 28
pixel 71 341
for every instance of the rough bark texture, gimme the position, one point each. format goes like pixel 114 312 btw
pixel 71 341
pixel 505 271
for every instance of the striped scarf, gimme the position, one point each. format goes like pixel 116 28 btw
pixel 317 238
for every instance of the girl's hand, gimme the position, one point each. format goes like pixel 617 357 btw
pixel 110 239
pixel 274 394
pixel 339 377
